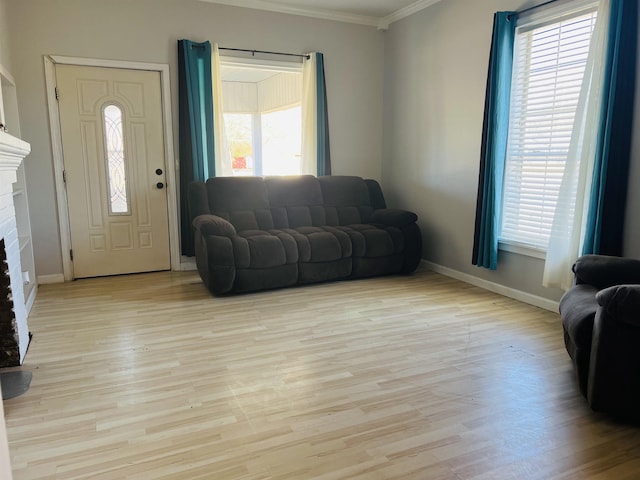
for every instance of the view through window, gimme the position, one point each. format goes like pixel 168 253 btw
pixel 263 117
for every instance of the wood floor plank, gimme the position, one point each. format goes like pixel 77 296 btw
pixel 420 377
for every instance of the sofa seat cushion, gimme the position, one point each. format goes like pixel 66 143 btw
pixel 316 244
pixel 262 249
pixel 371 241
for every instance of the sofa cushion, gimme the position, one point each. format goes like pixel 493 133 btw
pixel 243 201
pixel 604 271
pixel 372 241
pixel 293 191
pixel 295 201
pixel 346 200
pixel 316 244
pixel 260 249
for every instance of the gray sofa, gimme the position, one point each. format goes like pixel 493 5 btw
pixel 254 233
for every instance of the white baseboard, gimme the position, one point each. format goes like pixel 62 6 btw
pixel 28 302
pixel 55 278
pixel 187 264
pixel 519 295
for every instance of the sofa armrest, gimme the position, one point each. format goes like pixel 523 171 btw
pixel 621 303
pixel 393 217
pixel 214 225
pixel 613 383
pixel 603 271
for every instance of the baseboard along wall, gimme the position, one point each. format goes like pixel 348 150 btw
pixel 519 295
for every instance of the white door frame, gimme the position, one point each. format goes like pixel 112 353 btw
pixel 50 62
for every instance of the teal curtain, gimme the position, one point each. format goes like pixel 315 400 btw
pixel 324 154
pixel 605 227
pixel 494 141
pixel 197 153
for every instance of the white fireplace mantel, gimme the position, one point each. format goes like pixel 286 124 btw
pixel 12 151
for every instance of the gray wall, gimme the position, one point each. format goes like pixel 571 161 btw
pixel 147 31
pixel 435 78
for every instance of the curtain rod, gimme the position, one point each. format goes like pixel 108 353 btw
pixel 520 12
pixel 253 52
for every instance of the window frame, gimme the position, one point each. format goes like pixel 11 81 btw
pixel 526 23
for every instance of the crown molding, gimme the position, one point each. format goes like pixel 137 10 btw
pixel 305 12
pixel 381 23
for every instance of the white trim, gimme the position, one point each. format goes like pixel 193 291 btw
pixel 188 264
pixel 97 62
pixel 382 23
pixel 12 151
pixel 305 12
pixel 536 17
pixel 58 168
pixel 31 298
pixel 48 279
pixel 171 165
pixel 519 295
pixel 521 249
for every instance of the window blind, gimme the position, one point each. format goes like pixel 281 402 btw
pixel 549 64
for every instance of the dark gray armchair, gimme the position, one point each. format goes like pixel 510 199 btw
pixel 601 322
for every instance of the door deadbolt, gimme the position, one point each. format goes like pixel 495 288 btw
pixel 158 171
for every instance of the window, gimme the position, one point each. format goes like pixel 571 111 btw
pixel 550 57
pixel 114 146
pixel 263 116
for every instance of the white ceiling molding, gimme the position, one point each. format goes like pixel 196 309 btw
pixel 382 23
pixel 305 12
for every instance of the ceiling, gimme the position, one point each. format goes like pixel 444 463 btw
pixel 378 13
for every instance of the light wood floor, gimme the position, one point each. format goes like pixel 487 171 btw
pixel 421 377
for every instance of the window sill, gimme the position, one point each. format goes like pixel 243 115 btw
pixel 522 249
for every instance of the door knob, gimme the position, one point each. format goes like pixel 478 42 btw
pixel 160 185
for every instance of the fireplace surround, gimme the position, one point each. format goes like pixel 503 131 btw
pixel 14 331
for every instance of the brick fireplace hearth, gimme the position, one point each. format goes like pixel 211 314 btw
pixel 14 332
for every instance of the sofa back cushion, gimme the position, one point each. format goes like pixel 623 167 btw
pixel 243 201
pixel 256 203
pixel 295 201
pixel 346 200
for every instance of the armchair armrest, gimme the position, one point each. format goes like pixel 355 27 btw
pixel 603 271
pixel 622 303
pixel 214 225
pixel 393 217
pixel 613 383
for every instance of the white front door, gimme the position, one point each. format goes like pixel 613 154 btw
pixel 113 145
